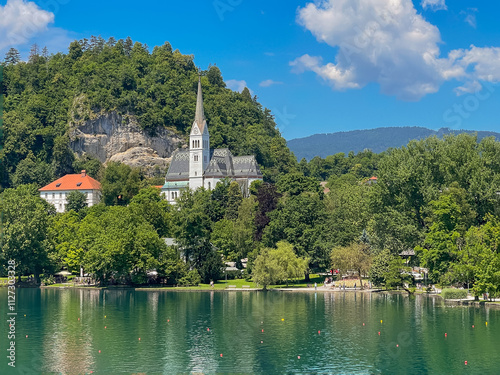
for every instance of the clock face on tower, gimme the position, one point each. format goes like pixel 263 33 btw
pixel 195 131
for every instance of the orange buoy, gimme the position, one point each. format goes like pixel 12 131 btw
pixel 379 333
pixel 221 355
pixel 208 329
pixel 319 332
pixel 26 336
pixel 445 335
pixel 263 330
pixel 139 339
pixel 363 324
pixel 298 356
pixel 105 327
pixel 473 326
pixel 168 320
pixel 397 345
pixel 466 363
pixel 99 351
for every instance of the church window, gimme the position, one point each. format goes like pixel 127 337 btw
pixel 195 157
pixel 196 173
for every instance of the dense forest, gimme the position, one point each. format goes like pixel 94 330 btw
pixel 439 197
pixel 377 140
pixel 49 92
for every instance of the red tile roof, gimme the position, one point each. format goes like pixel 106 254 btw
pixel 70 181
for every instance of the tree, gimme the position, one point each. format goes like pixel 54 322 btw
pixel 390 271
pixel 76 200
pixel 244 228
pixel 25 230
pixel 278 265
pixel 12 57
pixel 222 238
pixel 354 257
pixel 149 204
pixel 234 198
pixel 119 184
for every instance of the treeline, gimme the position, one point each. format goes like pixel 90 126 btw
pixel 47 93
pixel 437 197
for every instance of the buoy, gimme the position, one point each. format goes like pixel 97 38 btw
pixel 473 326
pixel 466 363
pixel 298 356
pixel 99 351
pixel 168 320
pixel 445 335
pixel 262 330
pixel 105 327
pixel 363 324
pixel 282 319
pixel 381 321
pixel 26 336
pixel 486 323
pixel 221 355
pixel 24 314
pixel 208 329
pixel 319 332
pixel 379 333
pixel 139 339
pixel 397 345
pixel 78 318
pixel 262 342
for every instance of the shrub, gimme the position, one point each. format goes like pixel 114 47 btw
pixel 48 280
pixel 191 279
pixel 231 275
pixel 454 293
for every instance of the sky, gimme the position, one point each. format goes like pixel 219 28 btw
pixel 321 66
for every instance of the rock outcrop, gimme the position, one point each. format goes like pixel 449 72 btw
pixel 113 137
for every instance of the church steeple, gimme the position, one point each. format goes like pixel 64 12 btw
pixel 199 144
pixel 199 118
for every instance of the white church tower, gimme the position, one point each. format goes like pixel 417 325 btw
pixel 199 144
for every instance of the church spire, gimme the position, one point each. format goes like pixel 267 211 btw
pixel 200 113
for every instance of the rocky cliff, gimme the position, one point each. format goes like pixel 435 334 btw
pixel 113 137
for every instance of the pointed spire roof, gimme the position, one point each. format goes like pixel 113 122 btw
pixel 199 118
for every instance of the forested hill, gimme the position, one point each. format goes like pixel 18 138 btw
pixel 376 140
pixel 157 86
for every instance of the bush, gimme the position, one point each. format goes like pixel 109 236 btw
pixel 50 280
pixel 454 293
pixel 191 279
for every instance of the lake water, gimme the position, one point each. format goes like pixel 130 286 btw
pixel 74 331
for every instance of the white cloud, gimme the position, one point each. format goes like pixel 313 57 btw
pixel 388 42
pixel 21 20
pixel 434 5
pixel 470 16
pixel 269 82
pixel 236 85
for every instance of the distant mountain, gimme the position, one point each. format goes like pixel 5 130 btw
pixel 377 140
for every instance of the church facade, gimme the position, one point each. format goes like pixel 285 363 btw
pixel 200 166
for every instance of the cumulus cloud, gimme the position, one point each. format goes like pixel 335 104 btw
pixel 269 82
pixel 388 42
pixel 236 85
pixel 434 5
pixel 21 20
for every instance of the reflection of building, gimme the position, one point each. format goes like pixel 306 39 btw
pixel 56 192
pixel 199 166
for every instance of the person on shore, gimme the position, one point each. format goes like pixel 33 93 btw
pixel 211 283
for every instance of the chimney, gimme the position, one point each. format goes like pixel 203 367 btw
pixel 84 172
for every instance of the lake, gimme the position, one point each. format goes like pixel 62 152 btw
pixel 75 331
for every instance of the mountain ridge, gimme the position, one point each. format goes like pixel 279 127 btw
pixel 377 140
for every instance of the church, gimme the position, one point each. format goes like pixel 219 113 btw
pixel 200 166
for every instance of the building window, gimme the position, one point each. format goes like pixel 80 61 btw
pixel 53 195
pixel 195 157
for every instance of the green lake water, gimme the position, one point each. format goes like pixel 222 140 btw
pixel 73 331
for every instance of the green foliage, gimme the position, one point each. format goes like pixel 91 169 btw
pixel 355 258
pixel 277 265
pixel 454 293
pixel 154 209
pixel 119 184
pixel 46 97
pixel 25 237
pixel 76 200
pixel 192 278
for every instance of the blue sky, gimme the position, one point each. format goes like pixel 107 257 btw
pixel 320 66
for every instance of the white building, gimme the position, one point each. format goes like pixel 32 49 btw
pixel 200 166
pixel 56 192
